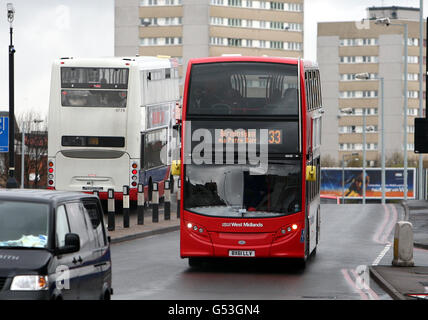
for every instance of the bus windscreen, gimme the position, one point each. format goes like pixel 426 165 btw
pixel 231 191
pixel 243 88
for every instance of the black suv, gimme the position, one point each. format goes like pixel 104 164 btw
pixel 53 245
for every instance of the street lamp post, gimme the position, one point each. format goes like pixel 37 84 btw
pixel 365 76
pixel 387 22
pixel 364 156
pixel 421 89
pixel 11 180
pixel 23 149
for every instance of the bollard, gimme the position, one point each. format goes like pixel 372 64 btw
pixel 110 209
pixel 167 200
pixel 140 204
pixel 178 197
pixel 155 203
pixel 403 245
pixel 126 206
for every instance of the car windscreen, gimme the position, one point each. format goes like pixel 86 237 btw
pixel 243 88
pixel 24 224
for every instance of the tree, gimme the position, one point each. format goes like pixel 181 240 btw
pixel 328 161
pixel 395 160
pixel 35 150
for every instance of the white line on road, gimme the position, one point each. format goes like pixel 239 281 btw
pixel 381 254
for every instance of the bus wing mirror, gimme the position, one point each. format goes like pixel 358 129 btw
pixel 176 168
pixel 311 174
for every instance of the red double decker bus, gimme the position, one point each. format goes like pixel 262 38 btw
pixel 250 158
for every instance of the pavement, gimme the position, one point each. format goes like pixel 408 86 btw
pixel 408 283
pixel 149 228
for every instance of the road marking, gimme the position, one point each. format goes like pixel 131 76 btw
pixel 365 293
pixel 368 291
pixel 381 237
pixel 381 254
pixel 353 284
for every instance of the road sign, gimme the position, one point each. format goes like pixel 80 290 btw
pixel 4 134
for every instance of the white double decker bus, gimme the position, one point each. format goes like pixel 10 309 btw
pixel 110 124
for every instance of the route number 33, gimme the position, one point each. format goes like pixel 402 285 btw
pixel 274 137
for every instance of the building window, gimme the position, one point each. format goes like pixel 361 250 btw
pixel 277 5
pixel 351 76
pixel 358 94
pixel 413 94
pixel 298 7
pixel 412 112
pixel 277 25
pixel 234 42
pixel 155 21
pixel 412 76
pixel 359 59
pixel 413 42
pixel 412 59
pixel 276 45
pixel 359 42
pixel 216 41
pixel 294 46
pixel 234 3
pixel 234 22
pixel 144 3
pixel 160 41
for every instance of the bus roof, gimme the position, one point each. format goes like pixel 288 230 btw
pixel 231 58
pixel 143 62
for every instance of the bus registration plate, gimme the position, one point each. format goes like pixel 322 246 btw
pixel 242 253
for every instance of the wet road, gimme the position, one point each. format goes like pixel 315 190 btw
pixel 352 237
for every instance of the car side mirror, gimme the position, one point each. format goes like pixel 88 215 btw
pixel 71 244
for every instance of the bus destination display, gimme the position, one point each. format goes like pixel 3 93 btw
pixel 275 136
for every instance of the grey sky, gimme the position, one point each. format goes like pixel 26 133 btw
pixel 45 30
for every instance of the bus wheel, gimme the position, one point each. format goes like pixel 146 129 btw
pixel 303 261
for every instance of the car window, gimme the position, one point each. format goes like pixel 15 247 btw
pixel 95 217
pixel 62 227
pixel 78 222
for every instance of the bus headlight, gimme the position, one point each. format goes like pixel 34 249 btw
pixel 29 283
